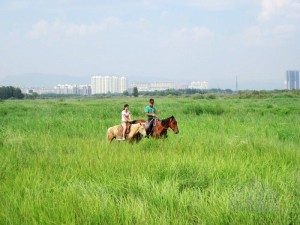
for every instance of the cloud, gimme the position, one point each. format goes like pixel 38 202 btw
pixel 216 5
pixel 284 31
pixel 275 36
pixel 193 34
pixel 296 10
pixel 253 36
pixel 58 29
pixel 277 24
pixel 210 5
pixel 271 8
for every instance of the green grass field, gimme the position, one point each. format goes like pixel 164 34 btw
pixel 234 161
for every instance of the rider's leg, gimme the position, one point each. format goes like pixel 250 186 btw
pixel 124 129
pixel 150 128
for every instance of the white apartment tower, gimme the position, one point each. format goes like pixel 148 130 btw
pixel 105 84
pixel 292 80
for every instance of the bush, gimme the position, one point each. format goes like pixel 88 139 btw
pixel 197 96
pixel 209 109
pixel 211 96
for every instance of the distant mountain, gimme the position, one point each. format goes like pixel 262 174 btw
pixel 43 80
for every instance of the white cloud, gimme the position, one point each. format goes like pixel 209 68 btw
pixel 209 5
pixel 39 29
pixel 193 34
pixel 271 8
pixel 57 29
pixel 200 33
pixel 284 31
pixel 275 36
pixel 296 9
pixel 277 24
pixel 213 5
pixel 253 36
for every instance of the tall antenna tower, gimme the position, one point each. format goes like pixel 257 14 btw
pixel 236 84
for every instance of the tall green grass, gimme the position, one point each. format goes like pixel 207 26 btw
pixel 235 161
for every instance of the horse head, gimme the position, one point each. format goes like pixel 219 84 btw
pixel 136 131
pixel 142 129
pixel 173 124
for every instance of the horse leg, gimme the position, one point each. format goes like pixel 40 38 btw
pixel 138 137
pixel 110 137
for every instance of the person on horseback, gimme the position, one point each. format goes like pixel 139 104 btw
pixel 151 115
pixel 126 117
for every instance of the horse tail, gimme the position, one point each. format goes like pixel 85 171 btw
pixel 108 135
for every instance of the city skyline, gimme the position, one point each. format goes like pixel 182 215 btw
pixel 103 84
pixel 183 41
pixel 44 80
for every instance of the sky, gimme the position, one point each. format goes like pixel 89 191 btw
pixel 216 41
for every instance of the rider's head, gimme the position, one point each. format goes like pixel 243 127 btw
pixel 151 101
pixel 125 106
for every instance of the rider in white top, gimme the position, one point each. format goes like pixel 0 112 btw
pixel 126 117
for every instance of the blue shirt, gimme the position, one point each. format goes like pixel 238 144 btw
pixel 150 110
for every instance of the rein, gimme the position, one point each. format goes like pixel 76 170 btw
pixel 165 121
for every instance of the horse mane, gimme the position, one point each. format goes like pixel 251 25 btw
pixel 134 126
pixel 133 131
pixel 137 121
pixel 165 122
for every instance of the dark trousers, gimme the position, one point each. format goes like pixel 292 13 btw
pixel 150 126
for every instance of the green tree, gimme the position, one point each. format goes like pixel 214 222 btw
pixel 17 93
pixel 135 92
pixel 10 92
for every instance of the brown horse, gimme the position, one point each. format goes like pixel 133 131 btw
pixel 160 127
pixel 135 132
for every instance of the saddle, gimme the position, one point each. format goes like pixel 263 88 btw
pixel 150 125
pixel 128 126
pixel 120 130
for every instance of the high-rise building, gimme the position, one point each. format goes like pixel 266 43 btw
pixel 69 89
pixel 292 80
pixel 198 85
pixel 106 84
pixel 153 86
pixel 65 89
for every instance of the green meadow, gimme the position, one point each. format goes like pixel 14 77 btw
pixel 234 161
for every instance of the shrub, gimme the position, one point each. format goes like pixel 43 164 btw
pixel 197 96
pixel 211 96
pixel 209 109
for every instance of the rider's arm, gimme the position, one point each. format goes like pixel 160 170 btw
pixel 150 114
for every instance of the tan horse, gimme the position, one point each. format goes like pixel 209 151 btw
pixel 135 132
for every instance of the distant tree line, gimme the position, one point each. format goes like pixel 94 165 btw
pixel 10 92
pixel 181 92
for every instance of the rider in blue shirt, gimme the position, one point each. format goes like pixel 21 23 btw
pixel 151 114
